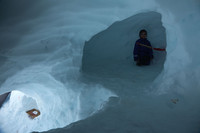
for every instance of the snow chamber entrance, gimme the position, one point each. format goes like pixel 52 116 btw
pixel 110 52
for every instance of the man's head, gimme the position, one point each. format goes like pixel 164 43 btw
pixel 143 34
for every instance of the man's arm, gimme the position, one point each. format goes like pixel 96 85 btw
pixel 151 51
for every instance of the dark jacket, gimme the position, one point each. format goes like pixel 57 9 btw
pixel 142 48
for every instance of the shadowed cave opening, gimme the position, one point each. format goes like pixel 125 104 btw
pixel 109 54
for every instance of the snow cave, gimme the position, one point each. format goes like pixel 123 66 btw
pixel 72 61
pixel 110 52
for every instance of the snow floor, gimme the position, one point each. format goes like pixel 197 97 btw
pixel 137 108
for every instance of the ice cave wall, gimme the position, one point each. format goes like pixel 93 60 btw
pixel 180 19
pixel 47 31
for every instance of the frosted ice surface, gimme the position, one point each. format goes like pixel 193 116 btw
pixel 41 59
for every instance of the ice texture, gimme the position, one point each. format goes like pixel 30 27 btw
pixel 72 60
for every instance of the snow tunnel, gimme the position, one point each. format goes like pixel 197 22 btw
pixel 110 52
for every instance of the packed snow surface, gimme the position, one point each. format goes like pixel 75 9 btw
pixel 72 60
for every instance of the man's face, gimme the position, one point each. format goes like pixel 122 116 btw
pixel 143 35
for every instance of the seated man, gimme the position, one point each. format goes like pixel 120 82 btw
pixel 143 52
